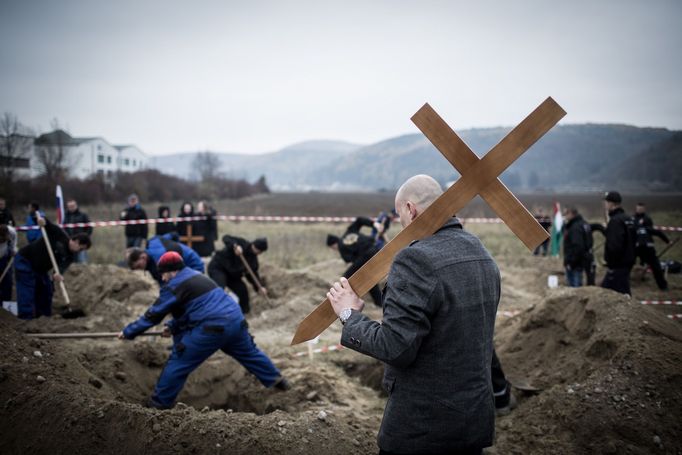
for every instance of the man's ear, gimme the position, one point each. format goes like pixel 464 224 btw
pixel 412 208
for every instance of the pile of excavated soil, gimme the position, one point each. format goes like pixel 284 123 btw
pixel 610 372
pixel 608 368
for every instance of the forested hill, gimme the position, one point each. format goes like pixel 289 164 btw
pixel 571 158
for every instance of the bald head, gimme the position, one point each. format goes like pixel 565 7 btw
pixel 414 196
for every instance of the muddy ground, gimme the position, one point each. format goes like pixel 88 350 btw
pixel 608 369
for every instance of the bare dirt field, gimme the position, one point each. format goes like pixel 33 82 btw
pixel 608 367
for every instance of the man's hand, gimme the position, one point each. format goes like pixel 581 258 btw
pixel 379 227
pixel 166 332
pixel 238 250
pixel 120 335
pixel 341 296
pixel 41 222
pixel 57 277
pixel 263 291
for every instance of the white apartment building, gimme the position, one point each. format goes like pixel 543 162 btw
pixel 86 156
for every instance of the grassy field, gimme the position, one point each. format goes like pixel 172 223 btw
pixel 298 245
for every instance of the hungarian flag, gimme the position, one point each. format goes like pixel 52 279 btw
pixel 557 223
pixel 60 206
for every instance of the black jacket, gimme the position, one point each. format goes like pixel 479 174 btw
pixel 6 217
pixel 230 263
pixel 77 217
pixel 135 213
pixel 354 246
pixel 619 251
pixel 165 228
pixel 208 229
pixel 36 252
pixel 577 243
pixel 645 231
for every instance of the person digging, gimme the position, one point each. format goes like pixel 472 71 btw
pixel 204 320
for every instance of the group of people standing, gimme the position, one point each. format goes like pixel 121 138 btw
pixel 627 238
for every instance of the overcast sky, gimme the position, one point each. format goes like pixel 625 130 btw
pixel 255 76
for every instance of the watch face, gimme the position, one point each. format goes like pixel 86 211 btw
pixel 345 314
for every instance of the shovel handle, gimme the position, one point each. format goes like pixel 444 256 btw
pixel 54 261
pixel 7 267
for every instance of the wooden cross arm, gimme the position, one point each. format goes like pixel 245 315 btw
pixel 496 194
pixel 478 176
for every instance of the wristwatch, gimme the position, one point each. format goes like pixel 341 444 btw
pixel 344 315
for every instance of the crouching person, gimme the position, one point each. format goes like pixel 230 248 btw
pixel 205 319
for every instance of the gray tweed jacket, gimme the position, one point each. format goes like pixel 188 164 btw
pixel 436 339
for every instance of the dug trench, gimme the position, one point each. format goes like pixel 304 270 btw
pixel 607 367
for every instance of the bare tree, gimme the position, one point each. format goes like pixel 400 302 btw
pixel 15 148
pixel 52 153
pixel 206 165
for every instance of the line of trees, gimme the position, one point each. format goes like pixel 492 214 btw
pixel 18 146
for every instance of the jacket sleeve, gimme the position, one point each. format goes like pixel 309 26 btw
pixel 359 223
pixel 154 315
pixel 144 227
pixel 660 235
pixel 408 308
pixel 597 227
pixel 616 238
pixel 86 219
pixel 192 259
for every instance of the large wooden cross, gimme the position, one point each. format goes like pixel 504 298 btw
pixel 189 238
pixel 478 176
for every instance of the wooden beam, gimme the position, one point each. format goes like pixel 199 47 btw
pixel 478 176
pixel 496 194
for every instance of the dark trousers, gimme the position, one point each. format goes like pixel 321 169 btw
pixel 648 257
pixel 193 347
pixel 454 452
pixel 34 290
pixel 501 387
pixel 6 284
pixel 375 292
pixel 236 285
pixel 591 273
pixel 618 280
pixel 543 246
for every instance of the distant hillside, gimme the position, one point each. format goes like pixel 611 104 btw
pixel 286 169
pixel 568 158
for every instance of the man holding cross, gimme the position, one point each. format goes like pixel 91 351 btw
pixel 435 337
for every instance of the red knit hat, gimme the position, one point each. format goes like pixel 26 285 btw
pixel 169 262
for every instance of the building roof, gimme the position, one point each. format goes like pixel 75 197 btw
pixel 56 137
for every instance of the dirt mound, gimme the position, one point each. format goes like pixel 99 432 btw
pixel 109 296
pixel 608 368
pixel 610 372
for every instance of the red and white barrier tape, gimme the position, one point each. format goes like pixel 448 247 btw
pixel 661 302
pixel 675 316
pixel 265 218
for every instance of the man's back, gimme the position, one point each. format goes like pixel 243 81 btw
pixel 436 338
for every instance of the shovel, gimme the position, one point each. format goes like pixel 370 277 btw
pixel 68 313
pixel 76 335
pixel 7 267
pixel 253 276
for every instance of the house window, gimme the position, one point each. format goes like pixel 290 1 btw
pixel 100 172
pixel 99 147
pixel 100 158
pixel 108 173
pixel 126 162
pixel 134 163
pixel 109 159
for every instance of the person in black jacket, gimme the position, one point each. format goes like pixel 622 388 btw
pixel 186 210
pixel 135 233
pixel 32 264
pixel 74 215
pixel 546 222
pixel 577 246
pixel 5 215
pixel 208 229
pixel 227 269
pixel 619 250
pixel 357 249
pixel 165 227
pixel 644 247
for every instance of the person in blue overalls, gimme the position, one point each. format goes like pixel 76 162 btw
pixel 205 319
pixel 139 259
pixel 32 264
